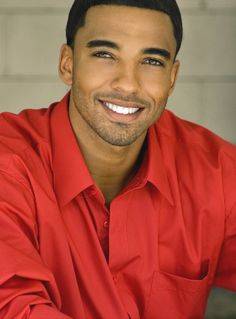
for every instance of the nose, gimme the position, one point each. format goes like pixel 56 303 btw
pixel 126 79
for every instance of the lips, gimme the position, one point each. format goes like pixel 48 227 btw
pixel 122 108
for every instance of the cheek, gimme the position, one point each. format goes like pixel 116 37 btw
pixel 92 76
pixel 156 81
pixel 157 90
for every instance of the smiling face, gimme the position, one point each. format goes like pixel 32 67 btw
pixel 122 71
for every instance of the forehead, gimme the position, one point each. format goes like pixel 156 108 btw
pixel 119 23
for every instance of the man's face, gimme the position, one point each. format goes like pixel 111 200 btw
pixel 123 71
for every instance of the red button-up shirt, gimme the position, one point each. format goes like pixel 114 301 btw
pixel 166 239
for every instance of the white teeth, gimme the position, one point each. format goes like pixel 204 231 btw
pixel 120 109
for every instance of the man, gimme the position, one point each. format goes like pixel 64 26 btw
pixel 110 206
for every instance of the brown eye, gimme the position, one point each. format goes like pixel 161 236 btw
pixel 153 62
pixel 103 55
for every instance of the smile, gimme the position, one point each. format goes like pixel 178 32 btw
pixel 121 109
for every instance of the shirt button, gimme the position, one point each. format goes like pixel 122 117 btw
pixel 106 223
pixel 93 192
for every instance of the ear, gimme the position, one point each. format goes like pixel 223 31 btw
pixel 174 74
pixel 65 68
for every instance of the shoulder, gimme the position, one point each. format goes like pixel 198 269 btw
pixel 193 137
pixel 24 137
pixel 27 129
pixel 194 153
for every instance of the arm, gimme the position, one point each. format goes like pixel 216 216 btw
pixel 27 288
pixel 226 270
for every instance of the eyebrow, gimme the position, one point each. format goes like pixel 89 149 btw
pixel 157 51
pixel 102 43
pixel 110 44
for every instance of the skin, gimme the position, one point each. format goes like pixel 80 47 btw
pixel 122 72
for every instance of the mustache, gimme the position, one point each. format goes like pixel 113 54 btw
pixel 122 97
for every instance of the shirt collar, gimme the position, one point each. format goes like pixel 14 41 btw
pixel 154 169
pixel 71 175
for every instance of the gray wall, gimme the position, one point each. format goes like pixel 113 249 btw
pixel 32 31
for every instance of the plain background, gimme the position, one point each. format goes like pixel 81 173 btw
pixel 32 31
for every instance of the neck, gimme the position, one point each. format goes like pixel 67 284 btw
pixel 111 170
pixel 111 167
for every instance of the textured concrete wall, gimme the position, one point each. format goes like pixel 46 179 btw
pixel 32 31
pixel 206 92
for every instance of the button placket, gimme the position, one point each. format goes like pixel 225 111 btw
pixel 106 223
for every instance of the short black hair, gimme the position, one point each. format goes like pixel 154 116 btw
pixel 79 10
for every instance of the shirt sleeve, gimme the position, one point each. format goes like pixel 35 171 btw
pixel 27 288
pixel 226 270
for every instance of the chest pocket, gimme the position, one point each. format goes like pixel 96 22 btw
pixel 175 297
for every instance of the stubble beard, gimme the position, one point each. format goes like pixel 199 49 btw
pixel 114 133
